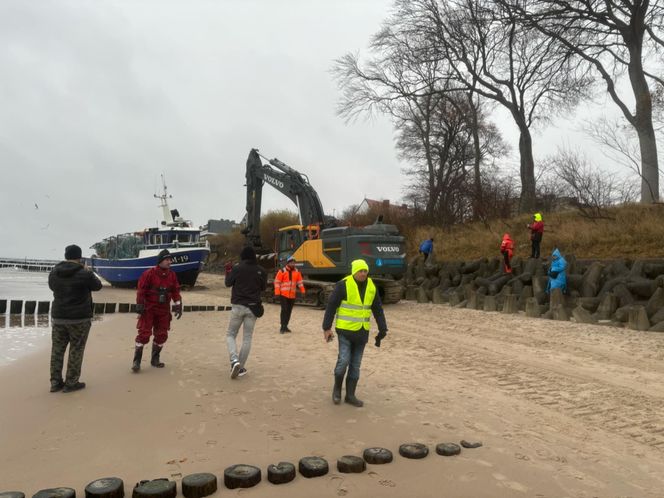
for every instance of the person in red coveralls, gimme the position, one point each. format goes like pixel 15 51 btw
pixel 228 267
pixel 507 249
pixel 157 287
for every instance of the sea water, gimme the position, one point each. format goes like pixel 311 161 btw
pixel 23 334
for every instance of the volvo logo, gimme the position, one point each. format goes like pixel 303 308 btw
pixel 388 248
pixel 273 181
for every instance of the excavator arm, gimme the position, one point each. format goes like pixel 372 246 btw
pixel 290 183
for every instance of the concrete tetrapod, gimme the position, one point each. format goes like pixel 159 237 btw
pixel 55 493
pixel 107 487
pixel 313 466
pixel 199 485
pixel 241 476
pixel 377 456
pixel 156 488
pixel 413 450
pixel 281 473
pixel 448 449
pixel 351 464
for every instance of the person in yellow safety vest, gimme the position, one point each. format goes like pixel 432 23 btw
pixel 287 281
pixel 353 301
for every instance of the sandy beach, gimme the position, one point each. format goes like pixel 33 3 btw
pixel 562 410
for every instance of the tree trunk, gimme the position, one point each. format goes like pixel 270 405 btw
pixel 527 170
pixel 644 129
pixel 478 203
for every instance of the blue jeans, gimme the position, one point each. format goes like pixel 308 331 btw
pixel 350 356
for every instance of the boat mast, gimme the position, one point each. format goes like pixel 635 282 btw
pixel 163 204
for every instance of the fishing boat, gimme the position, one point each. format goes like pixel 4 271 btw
pixel 122 259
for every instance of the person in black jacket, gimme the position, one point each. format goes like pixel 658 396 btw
pixel 71 282
pixel 248 280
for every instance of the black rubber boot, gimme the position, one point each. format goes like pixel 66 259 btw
pixel 155 356
pixel 336 392
pixel 138 356
pixel 351 384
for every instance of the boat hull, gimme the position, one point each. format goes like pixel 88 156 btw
pixel 125 273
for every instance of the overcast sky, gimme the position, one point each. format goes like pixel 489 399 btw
pixel 97 99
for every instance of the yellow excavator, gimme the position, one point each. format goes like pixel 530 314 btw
pixel 322 249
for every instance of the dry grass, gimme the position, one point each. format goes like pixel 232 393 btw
pixel 636 231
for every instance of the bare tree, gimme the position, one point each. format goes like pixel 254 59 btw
pixel 589 189
pixel 435 121
pixel 500 59
pixel 612 37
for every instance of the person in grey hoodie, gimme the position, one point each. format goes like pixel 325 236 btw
pixel 72 284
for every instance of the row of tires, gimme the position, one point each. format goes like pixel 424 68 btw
pixel 246 476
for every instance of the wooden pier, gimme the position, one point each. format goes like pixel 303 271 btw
pixel 43 265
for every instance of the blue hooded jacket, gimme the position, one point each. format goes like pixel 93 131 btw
pixel 558 267
pixel 426 246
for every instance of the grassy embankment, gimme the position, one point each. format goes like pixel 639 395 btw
pixel 635 232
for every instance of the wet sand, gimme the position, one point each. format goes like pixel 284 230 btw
pixel 562 409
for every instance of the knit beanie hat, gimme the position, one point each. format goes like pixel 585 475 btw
pixel 248 253
pixel 73 252
pixel 357 265
pixel 163 255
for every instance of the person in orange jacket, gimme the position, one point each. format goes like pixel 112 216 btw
pixel 287 281
pixel 507 250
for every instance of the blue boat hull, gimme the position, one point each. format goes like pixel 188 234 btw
pixel 126 272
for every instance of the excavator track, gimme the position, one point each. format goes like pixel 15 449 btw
pixel 319 291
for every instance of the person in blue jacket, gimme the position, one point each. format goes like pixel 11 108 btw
pixel 426 248
pixel 557 276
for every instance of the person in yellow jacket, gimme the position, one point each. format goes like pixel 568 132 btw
pixel 286 283
pixel 353 301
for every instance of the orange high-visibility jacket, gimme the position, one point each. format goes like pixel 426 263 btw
pixel 287 282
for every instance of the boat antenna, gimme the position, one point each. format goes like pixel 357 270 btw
pixel 163 201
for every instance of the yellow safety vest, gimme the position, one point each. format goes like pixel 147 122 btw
pixel 352 313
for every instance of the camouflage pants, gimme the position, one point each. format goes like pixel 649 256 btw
pixel 75 335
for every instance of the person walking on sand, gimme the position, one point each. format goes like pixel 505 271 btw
pixel 351 304
pixel 536 233
pixel 157 287
pixel 507 250
pixel 72 284
pixel 248 280
pixel 287 281
pixel 426 248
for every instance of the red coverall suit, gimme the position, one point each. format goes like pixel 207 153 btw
pixel 507 249
pixel 156 288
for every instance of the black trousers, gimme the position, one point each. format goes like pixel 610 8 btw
pixel 286 310
pixel 535 248
pixel 507 265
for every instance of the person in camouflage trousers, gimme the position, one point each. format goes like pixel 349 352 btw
pixel 72 285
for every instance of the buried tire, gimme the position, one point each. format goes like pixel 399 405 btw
pixel 351 464
pixel 467 444
pixel 12 494
pixel 156 488
pixel 413 450
pixel 241 476
pixel 107 487
pixel 199 485
pixel 55 493
pixel 281 473
pixel 313 467
pixel 448 449
pixel 377 456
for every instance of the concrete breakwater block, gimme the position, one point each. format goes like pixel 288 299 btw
pixel 607 306
pixel 109 308
pixel 511 304
pixel 99 308
pixel 43 307
pixel 582 315
pixel 421 295
pixel 490 303
pixel 124 308
pixel 638 318
pixel 3 306
pixel 30 307
pixel 559 312
pixel 533 308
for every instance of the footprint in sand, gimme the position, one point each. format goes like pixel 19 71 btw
pixel 201 428
pixel 388 483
